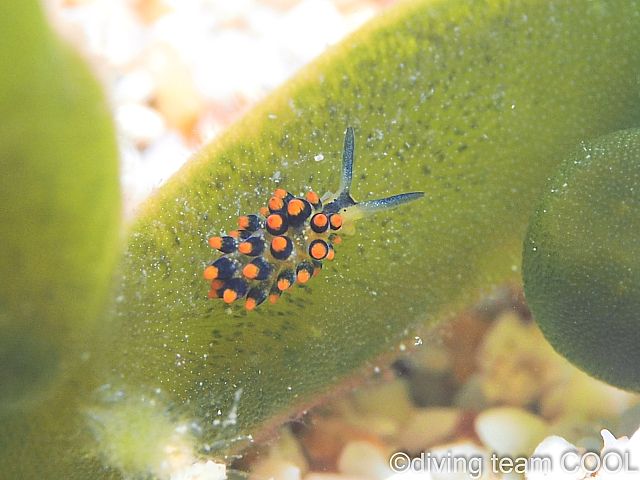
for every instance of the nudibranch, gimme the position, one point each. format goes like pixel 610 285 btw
pixel 287 242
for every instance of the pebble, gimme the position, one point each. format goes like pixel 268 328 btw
pixel 470 396
pixel 370 409
pixel 141 124
pixel 363 459
pixel 461 461
pixel 429 427
pixel 308 28
pixel 176 97
pixel 203 471
pixel 275 468
pixel 516 363
pixel 142 173
pixel 510 431
pixel 554 448
pixel 324 442
pixel 136 86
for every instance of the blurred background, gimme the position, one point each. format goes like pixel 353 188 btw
pixel 179 72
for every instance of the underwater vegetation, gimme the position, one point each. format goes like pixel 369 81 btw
pixel 581 260
pixel 61 239
pixel 474 103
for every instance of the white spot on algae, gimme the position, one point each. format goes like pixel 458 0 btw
pixel 136 434
pixel 232 418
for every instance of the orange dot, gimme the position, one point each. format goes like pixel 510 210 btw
pixel 217 284
pixel 274 222
pixel 330 254
pixel 283 284
pixel 319 251
pixel 295 207
pixel 250 303
pixel 279 244
pixel 313 197
pixel 264 211
pixel 273 298
pixel 210 272
pixel 212 294
pixel 245 247
pixel 229 295
pixel 216 242
pixel 336 240
pixel 303 276
pixel 250 271
pixel 243 222
pixel 336 221
pixel 280 193
pixel 275 204
pixel 320 220
pixel 234 234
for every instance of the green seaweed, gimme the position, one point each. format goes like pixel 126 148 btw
pixel 59 217
pixel 473 103
pixel 581 260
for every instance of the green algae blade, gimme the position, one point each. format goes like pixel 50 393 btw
pixel 59 218
pixel 581 260
pixel 473 103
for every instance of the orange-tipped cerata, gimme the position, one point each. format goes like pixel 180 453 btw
pixel 275 222
pixel 280 193
pixel 229 296
pixel 303 276
pixel 279 244
pixel 319 220
pixel 250 304
pixel 212 294
pixel 312 197
pixel 283 284
pixel 217 284
pixel 335 221
pixel 264 211
pixel 330 254
pixel 250 270
pixel 318 249
pixel 295 207
pixel 273 298
pixel 210 272
pixel 243 222
pixel 276 204
pixel 245 247
pixel 216 242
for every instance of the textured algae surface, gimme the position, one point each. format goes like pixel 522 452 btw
pixel 472 102
pixel 581 260
pixel 60 200
pixel 59 222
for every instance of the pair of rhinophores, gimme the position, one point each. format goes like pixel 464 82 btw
pixel 288 240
